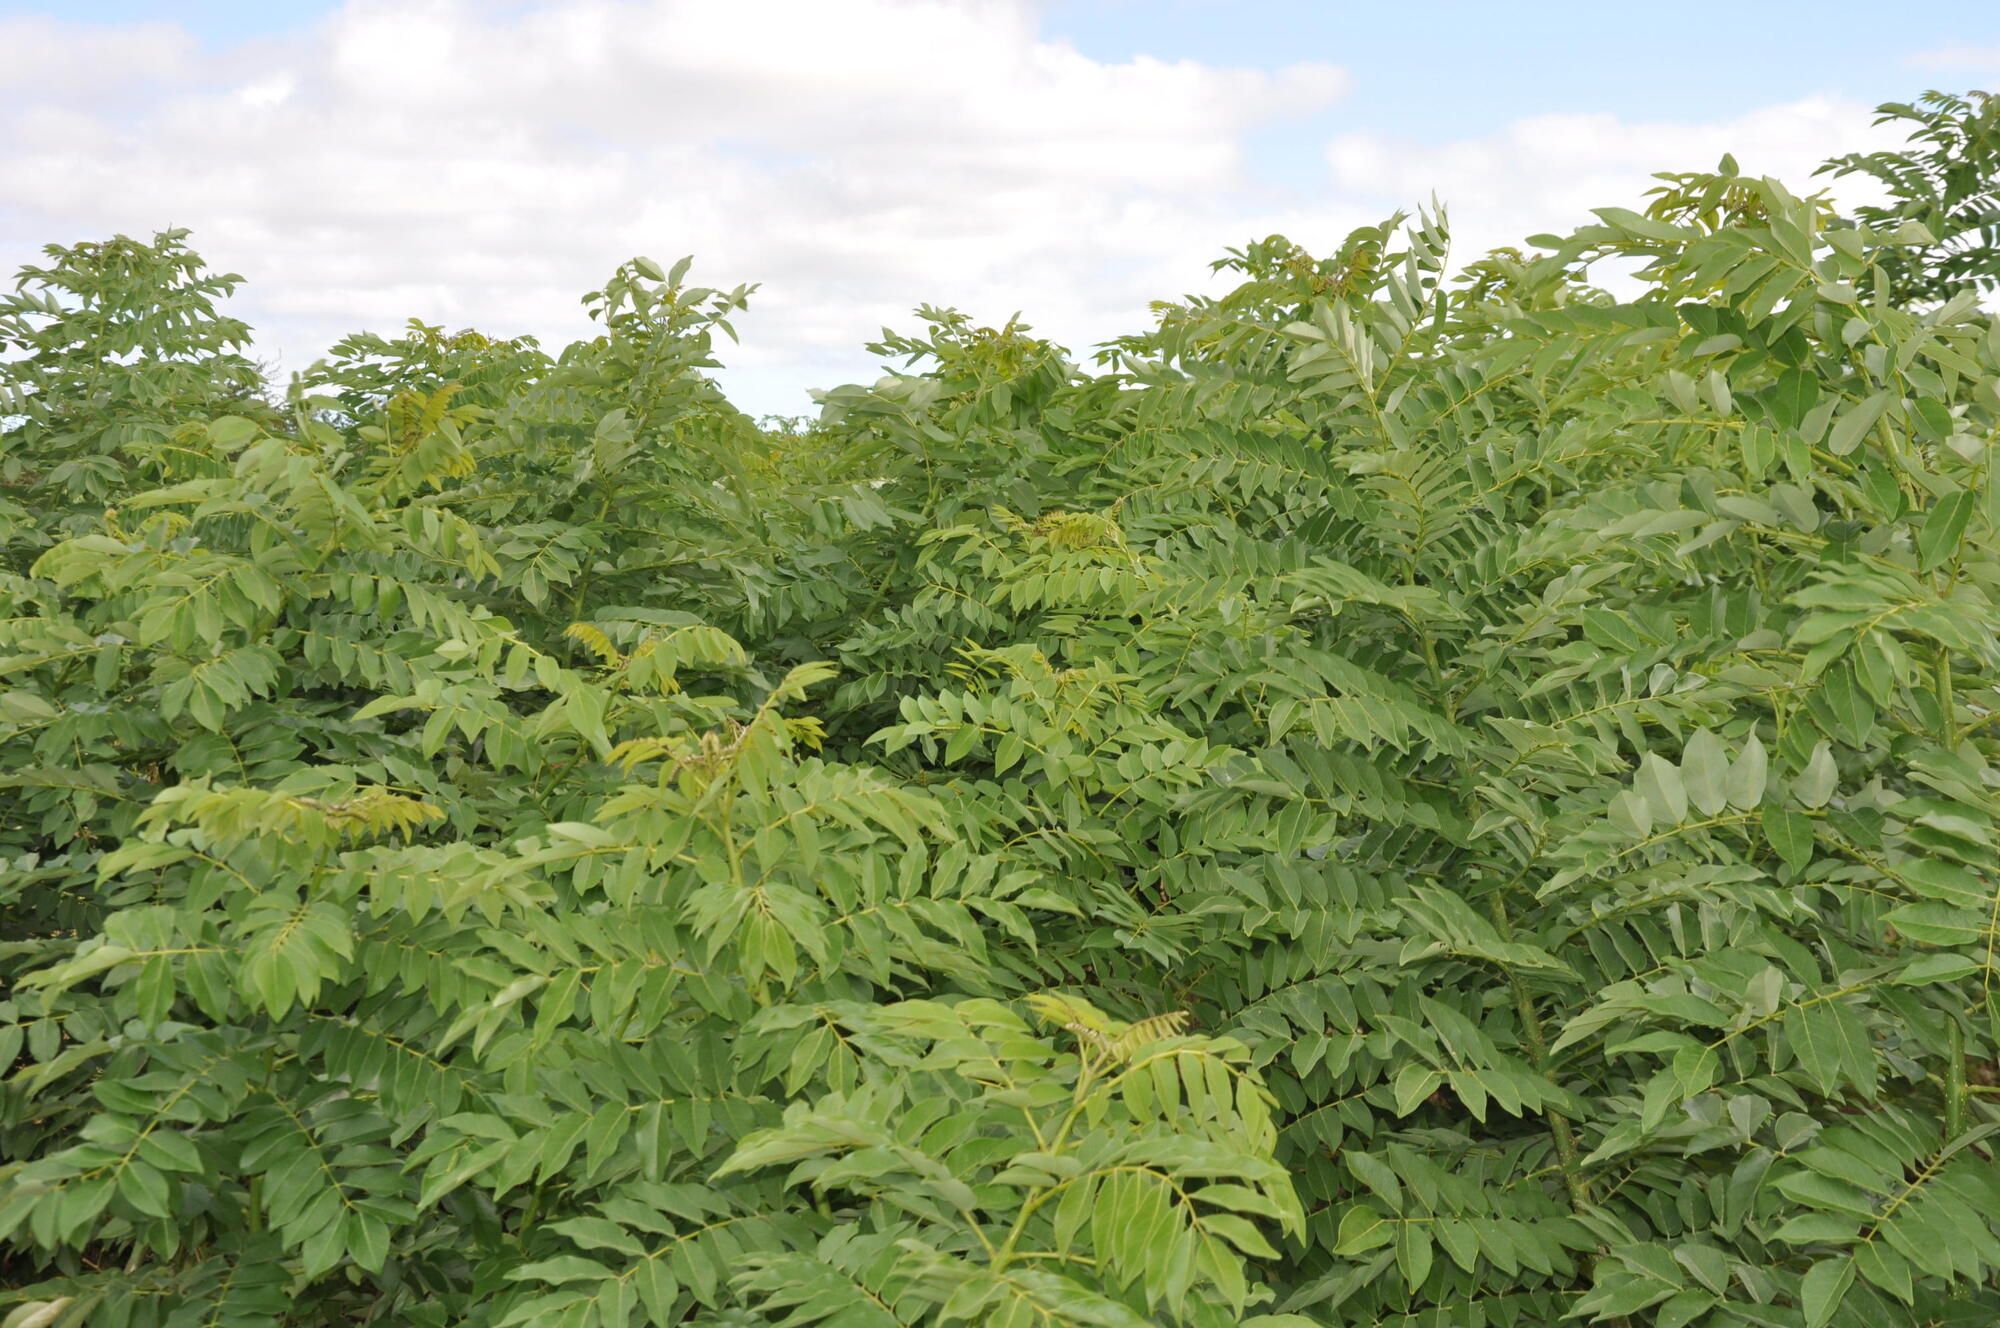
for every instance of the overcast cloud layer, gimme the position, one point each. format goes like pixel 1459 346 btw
pixel 477 164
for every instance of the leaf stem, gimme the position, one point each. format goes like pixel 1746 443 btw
pixel 1954 1080
pixel 1567 1155
pixel 1947 721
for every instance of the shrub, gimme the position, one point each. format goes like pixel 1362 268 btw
pixel 1392 800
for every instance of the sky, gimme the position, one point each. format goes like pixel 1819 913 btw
pixel 484 163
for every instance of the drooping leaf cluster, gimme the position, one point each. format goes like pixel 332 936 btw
pixel 1395 799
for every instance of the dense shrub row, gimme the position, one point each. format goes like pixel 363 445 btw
pixel 1389 800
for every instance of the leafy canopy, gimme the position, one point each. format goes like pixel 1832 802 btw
pixel 1388 800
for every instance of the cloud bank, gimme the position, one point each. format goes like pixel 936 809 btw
pixel 484 164
pixel 1975 59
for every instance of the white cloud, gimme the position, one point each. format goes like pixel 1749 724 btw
pixel 1981 59
pixel 102 66
pixel 473 163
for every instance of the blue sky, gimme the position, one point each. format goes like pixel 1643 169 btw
pixel 481 161
pixel 1432 68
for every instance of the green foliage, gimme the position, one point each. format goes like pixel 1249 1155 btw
pixel 1394 800
pixel 1946 191
pixel 115 356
